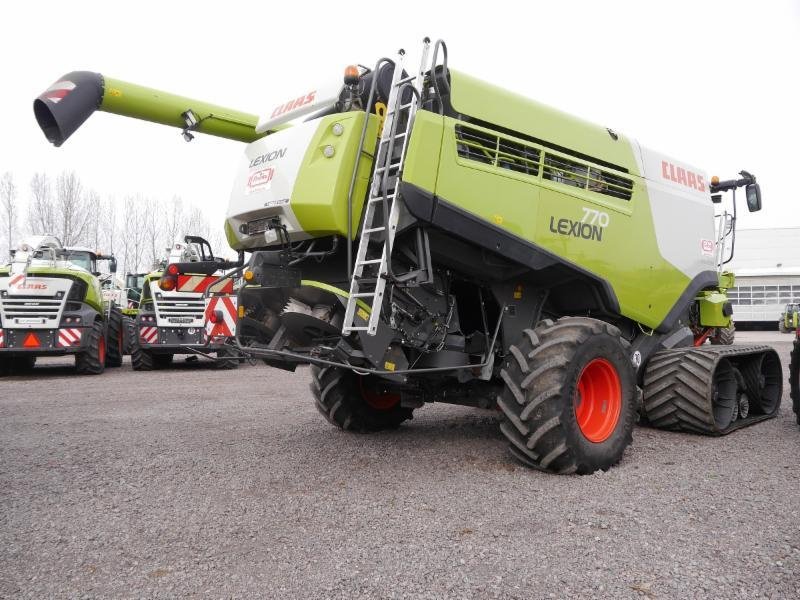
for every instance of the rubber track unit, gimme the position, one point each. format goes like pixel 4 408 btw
pixel 678 388
pixel 338 398
pixel 794 378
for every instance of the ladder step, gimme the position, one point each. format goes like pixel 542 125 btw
pixel 363 295
pixel 373 261
pixel 406 79
pixel 381 198
pixel 374 229
pixel 358 329
pixel 391 166
pixel 397 136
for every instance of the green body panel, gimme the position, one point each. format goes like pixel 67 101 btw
pixel 791 320
pixel 93 294
pixel 532 207
pixel 421 166
pixel 319 195
pixel 139 102
pixel 711 309
pixel 146 297
pixel 230 236
pixel 726 280
pixel 489 103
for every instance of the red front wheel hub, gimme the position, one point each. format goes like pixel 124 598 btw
pixel 598 400
pixel 376 399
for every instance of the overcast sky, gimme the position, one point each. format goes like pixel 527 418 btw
pixel 714 84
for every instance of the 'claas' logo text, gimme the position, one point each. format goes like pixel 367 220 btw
pixel 292 104
pixel 682 176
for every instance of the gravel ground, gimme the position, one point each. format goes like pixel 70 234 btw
pixel 198 483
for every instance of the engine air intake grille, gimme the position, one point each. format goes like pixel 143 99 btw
pixel 569 172
pixel 488 148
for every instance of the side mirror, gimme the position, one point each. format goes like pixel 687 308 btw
pixel 112 264
pixel 753 192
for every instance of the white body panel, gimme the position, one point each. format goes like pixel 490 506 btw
pixel 32 302
pixel 288 109
pixel 683 214
pixel 178 309
pixel 265 181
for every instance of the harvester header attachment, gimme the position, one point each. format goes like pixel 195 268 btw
pixel 63 107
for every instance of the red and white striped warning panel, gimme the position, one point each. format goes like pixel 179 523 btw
pixel 2 339
pixel 200 283
pixel 149 335
pixel 223 311
pixel 68 337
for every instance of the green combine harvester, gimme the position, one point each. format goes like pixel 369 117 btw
pixel 423 236
pixel 52 303
pixel 790 319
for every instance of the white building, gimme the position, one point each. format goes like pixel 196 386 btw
pixel 767 267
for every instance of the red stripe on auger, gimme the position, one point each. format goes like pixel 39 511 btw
pixel 57 94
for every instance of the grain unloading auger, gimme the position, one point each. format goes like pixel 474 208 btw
pixel 424 236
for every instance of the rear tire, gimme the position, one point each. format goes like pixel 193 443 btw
pixel 116 339
pixel 724 336
pixel 129 333
pixel 141 360
pixel 227 353
pixel 794 379
pixel 782 327
pixel 569 401
pixel 354 402
pixel 92 359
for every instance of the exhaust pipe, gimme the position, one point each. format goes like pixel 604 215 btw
pixel 63 107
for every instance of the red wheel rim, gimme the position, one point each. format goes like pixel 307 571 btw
pixel 598 400
pixel 375 399
pixel 101 351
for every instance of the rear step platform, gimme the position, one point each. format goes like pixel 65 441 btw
pixel 712 390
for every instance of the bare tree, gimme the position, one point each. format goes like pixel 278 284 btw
pixel 8 208
pixel 73 208
pixel 132 234
pixel 41 210
pixel 153 231
pixel 94 229
pixel 174 224
pixel 108 223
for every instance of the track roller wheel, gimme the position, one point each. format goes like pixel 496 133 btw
pixel 92 359
pixel 355 402
pixel 569 401
pixel 762 377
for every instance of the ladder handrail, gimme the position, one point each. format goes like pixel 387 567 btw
pixel 373 86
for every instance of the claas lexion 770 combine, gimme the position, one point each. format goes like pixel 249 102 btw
pixel 423 236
